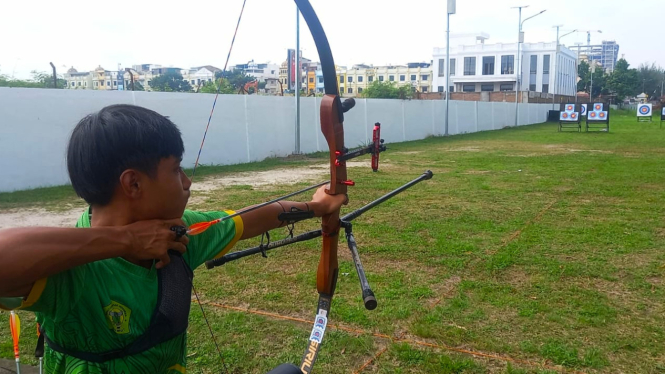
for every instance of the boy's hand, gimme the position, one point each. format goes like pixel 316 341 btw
pixel 150 240
pixel 323 204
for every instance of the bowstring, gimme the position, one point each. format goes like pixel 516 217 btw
pixel 219 87
pixel 226 64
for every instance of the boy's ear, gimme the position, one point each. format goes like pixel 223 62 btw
pixel 131 183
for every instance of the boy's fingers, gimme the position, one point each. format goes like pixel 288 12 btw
pixel 175 222
pixel 180 247
pixel 163 261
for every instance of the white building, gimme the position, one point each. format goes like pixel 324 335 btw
pixel 476 66
pixel 260 71
pixel 199 75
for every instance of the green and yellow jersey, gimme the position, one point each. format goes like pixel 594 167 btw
pixel 106 305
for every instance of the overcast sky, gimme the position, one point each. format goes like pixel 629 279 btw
pixel 85 34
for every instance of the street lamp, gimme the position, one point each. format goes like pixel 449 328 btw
pixel 520 39
pixel 449 11
pixel 588 57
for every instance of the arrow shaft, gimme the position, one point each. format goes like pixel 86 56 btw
pixel 214 222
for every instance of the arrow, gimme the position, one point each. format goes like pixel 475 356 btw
pixel 201 227
pixel 15 327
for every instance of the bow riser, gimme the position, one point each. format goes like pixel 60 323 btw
pixel 333 130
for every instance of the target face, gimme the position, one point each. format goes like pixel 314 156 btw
pixel 564 115
pixel 569 108
pixel 583 110
pixel 598 107
pixel 573 116
pixel 592 114
pixel 663 113
pixel 602 115
pixel 644 110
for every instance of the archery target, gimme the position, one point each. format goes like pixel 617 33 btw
pixel 663 113
pixel 583 110
pixel 568 114
pixel 598 107
pixel 644 110
pixel 597 116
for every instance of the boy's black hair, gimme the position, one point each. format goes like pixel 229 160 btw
pixel 119 137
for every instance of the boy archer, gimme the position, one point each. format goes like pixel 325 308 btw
pixel 117 308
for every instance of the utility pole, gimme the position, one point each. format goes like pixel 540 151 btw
pixel 588 48
pixel 593 70
pixel 517 57
pixel 589 58
pixel 556 57
pixel 520 39
pixel 298 81
pixel 55 77
pixel 449 11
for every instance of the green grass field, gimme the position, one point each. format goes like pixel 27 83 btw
pixel 542 251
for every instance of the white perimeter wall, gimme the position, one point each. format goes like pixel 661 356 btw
pixel 35 125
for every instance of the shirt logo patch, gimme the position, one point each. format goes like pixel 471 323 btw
pixel 117 317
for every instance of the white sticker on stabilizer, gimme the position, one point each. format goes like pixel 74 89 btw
pixel 319 328
pixel 321 321
pixel 316 335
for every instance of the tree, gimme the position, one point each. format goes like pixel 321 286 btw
pixel 237 78
pixel 650 78
pixel 584 75
pixel 211 87
pixel 599 80
pixel 39 80
pixel 387 90
pixel 46 80
pixel 170 82
pixel 137 86
pixel 623 81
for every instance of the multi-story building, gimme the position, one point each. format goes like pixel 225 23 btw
pixel 260 71
pixel 606 54
pixel 353 81
pixel 145 67
pixel 98 79
pixel 311 80
pixel 319 86
pixel 78 81
pixel 477 67
pixel 199 75
pixel 284 74
pixel 273 86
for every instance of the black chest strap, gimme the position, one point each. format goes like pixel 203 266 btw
pixel 169 319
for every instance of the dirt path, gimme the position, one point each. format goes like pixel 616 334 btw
pixel 314 173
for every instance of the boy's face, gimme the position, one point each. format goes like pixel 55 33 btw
pixel 165 197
